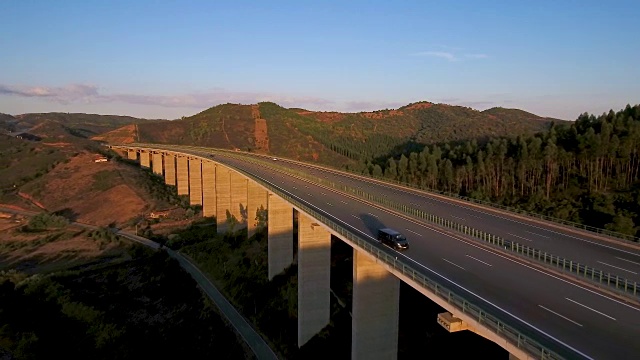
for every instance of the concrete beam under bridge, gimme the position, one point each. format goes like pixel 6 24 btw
pixel 238 192
pixel 169 169
pixel 132 154
pixel 280 235
pixel 376 304
pixel 314 266
pixel 156 163
pixel 182 174
pixel 208 188
pixel 195 181
pixel 223 198
pixel 145 160
pixel 256 198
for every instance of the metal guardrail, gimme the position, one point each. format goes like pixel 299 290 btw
pixel 491 322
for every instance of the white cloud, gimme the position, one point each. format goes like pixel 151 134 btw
pixel 82 93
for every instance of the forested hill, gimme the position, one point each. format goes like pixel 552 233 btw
pixel 337 138
pixel 587 171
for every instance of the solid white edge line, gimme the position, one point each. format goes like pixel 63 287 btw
pixel 451 281
pixel 454 264
pixel 560 315
pixel 617 267
pixel 594 310
pixel 476 259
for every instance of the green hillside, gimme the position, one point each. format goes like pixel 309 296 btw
pixel 340 138
pixel 83 125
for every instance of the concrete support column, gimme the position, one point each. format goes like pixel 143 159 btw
pixel 156 163
pixel 208 188
pixel 132 155
pixel 223 198
pixel 144 159
pixel 376 302
pixel 256 197
pixel 280 237
pixel 183 175
pixel 238 191
pixel 169 169
pixel 314 266
pixel 513 357
pixel 195 181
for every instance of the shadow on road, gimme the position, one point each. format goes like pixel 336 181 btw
pixel 372 223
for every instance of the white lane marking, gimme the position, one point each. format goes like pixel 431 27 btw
pixel 633 262
pixel 294 188
pixel 454 264
pixel 475 216
pixel 457 217
pixel 519 237
pixel 375 216
pixel 544 236
pixel 357 217
pixel 306 187
pixel 594 310
pixel 619 268
pixel 329 204
pixel 344 202
pixel 562 316
pixel 413 232
pixel 476 259
pixel 323 193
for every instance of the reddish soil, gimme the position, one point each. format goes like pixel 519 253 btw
pixel 326 117
pixel 71 186
pixel 123 135
pixel 260 131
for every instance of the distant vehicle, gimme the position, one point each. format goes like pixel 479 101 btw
pixel 274 159
pixel 393 239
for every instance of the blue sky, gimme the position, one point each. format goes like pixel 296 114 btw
pixel 166 59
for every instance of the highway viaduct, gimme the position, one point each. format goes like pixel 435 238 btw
pixel 225 190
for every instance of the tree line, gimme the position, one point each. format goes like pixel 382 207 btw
pixel 586 171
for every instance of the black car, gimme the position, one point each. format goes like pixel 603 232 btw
pixel 393 239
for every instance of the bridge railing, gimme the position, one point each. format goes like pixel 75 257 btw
pixel 599 277
pixel 510 333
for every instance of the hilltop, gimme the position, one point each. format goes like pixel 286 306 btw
pixel 331 137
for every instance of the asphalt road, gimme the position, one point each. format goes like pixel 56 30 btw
pixel 574 244
pixel 570 319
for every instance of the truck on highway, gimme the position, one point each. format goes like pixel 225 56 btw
pixel 393 239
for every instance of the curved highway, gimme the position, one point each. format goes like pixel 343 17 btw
pixel 586 248
pixel 572 320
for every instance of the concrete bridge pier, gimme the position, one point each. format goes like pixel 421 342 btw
pixel 169 169
pixel 208 188
pixel 195 182
pixel 256 198
pixel 145 159
pixel 376 303
pixel 238 192
pixel 314 266
pixel 223 198
pixel 132 154
pixel 156 163
pixel 182 174
pixel 280 235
